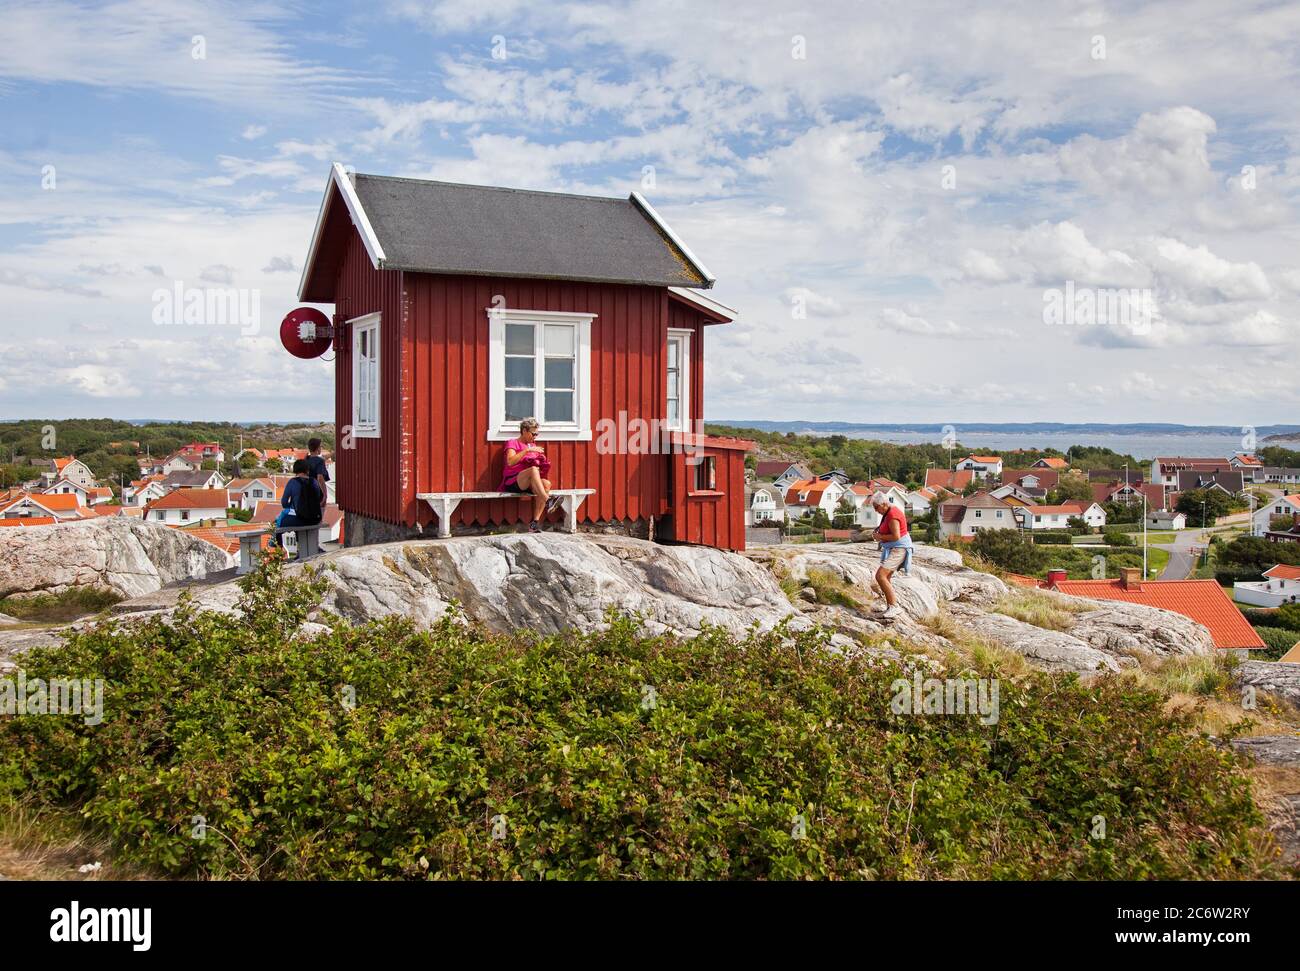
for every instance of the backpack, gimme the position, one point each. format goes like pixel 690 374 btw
pixel 307 508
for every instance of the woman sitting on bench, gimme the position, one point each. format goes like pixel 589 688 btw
pixel 525 464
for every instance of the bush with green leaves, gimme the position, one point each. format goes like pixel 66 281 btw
pixel 1279 641
pixel 1115 537
pixel 381 751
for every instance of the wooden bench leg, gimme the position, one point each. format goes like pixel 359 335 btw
pixel 570 506
pixel 443 507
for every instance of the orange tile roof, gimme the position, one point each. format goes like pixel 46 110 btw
pixel 814 488
pixel 216 535
pixel 1065 508
pixel 193 499
pixel 28 521
pixel 1020 580
pixel 1204 601
pixel 1283 572
pixel 53 501
pixel 61 464
pixel 983 459
pixel 1055 463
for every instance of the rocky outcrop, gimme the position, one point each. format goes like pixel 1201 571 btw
pixel 127 556
pixel 1278 679
pixel 551 581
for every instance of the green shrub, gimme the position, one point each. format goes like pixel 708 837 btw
pixel 469 754
pixel 1115 537
pixel 1052 537
pixel 1279 640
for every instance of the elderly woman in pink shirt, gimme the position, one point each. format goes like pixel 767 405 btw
pixel 525 465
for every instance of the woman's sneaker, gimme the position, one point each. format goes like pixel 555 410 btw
pixel 552 504
pixel 892 613
pixel 534 527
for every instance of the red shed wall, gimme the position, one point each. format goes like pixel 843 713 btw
pixel 369 473
pixel 715 517
pixel 448 404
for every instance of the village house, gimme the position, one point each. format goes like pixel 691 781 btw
pixel 60 507
pixel 919 501
pixel 141 492
pixel 1016 496
pixel 983 466
pixel 198 479
pixel 182 506
pixel 1059 516
pixel 460 309
pixel 1282 506
pixel 807 496
pixel 953 482
pixel 202 452
pixel 1053 463
pixel 1227 481
pixel 87 495
pixel 1119 491
pixel 1164 471
pixel 1276 475
pixel 782 474
pixel 860 493
pixel 967 516
pixel 1281 585
pixel 1252 468
pixel 1163 519
pixel 765 503
pixel 70 469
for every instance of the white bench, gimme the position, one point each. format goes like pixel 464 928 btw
pixel 250 544
pixel 444 504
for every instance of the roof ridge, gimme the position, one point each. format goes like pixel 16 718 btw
pixel 494 188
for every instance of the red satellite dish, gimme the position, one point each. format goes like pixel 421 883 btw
pixel 306 332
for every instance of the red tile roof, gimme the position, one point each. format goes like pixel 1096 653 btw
pixel 53 501
pixel 1283 572
pixel 1055 463
pixel 1204 601
pixel 943 479
pixel 1075 508
pixel 28 521
pixel 193 499
pixel 983 459
pixel 216 535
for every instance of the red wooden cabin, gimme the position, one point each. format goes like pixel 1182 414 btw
pixel 461 309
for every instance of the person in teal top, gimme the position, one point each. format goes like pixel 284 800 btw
pixel 895 549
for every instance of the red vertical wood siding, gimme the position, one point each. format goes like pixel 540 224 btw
pixel 716 518
pixel 448 414
pixel 369 473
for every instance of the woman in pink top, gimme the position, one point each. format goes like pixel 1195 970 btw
pixel 525 464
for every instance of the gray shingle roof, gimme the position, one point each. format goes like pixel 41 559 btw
pixel 445 227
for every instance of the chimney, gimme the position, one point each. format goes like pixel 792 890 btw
pixel 1054 577
pixel 1130 578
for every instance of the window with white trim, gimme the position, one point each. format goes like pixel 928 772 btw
pixel 365 376
pixel 679 379
pixel 540 367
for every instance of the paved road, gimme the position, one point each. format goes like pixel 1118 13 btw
pixel 1181 560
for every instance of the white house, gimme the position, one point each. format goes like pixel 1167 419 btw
pixel 805 497
pixel 141 492
pixel 183 506
pixel 966 517
pixel 1164 470
pixel 74 470
pixel 1281 585
pixel 1252 469
pixel 860 494
pixel 919 501
pixel 1013 491
pixel 247 493
pixel 1161 519
pixel 766 505
pixel 1282 506
pixel 792 474
pixel 1058 517
pixel 981 465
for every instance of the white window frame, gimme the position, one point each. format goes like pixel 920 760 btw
pixel 682 336
pixel 500 430
pixel 356 327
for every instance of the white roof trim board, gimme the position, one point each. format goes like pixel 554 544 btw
pixel 677 241
pixel 339 177
pixel 701 300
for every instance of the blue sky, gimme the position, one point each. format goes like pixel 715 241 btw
pixel 887 192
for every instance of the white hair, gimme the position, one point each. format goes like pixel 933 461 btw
pixel 878 498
